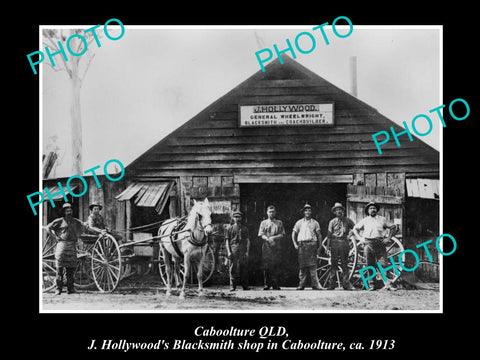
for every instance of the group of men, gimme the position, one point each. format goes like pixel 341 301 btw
pixel 306 238
pixel 307 241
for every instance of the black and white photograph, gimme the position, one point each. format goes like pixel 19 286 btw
pixel 225 182
pixel 247 183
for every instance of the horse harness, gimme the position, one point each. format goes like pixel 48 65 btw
pixel 191 239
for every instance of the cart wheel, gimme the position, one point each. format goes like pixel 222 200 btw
pixel 83 277
pixel 177 277
pixel 394 247
pixel 208 269
pixel 106 263
pixel 126 266
pixel 162 268
pixel 49 271
pixel 324 264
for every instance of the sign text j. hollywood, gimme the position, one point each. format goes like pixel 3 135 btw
pixel 286 115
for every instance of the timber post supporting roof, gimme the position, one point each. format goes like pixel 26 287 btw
pixel 212 143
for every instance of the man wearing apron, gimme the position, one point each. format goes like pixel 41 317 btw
pixel 306 238
pixel 272 232
pixel 66 230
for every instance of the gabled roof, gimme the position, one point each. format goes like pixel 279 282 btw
pixel 212 142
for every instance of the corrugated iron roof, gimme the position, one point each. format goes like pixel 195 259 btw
pixel 423 188
pixel 54 189
pixel 148 194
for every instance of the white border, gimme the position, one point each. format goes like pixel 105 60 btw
pixel 263 311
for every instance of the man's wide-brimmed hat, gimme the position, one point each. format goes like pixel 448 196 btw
pixel 66 206
pixel 95 204
pixel 370 204
pixel 336 206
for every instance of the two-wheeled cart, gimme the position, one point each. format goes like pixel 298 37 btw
pixel 103 262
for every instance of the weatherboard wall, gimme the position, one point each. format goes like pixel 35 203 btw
pixel 213 144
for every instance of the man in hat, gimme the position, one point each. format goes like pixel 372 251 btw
pixel 306 239
pixel 66 230
pixel 271 232
pixel 238 249
pixel 96 221
pixel 373 238
pixel 337 244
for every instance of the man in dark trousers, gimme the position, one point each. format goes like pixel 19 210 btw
pixel 271 232
pixel 374 240
pixel 238 250
pixel 306 239
pixel 66 230
pixel 337 243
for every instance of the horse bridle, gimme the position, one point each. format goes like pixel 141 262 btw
pixel 192 239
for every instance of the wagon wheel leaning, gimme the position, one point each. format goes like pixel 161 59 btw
pixel 324 264
pixel 49 271
pixel 394 247
pixel 106 263
pixel 207 269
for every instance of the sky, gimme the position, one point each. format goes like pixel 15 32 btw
pixel 149 82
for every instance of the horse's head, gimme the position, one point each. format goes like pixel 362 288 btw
pixel 202 210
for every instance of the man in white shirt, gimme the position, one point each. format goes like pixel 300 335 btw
pixel 306 239
pixel 373 238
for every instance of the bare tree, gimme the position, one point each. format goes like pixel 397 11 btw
pixel 76 67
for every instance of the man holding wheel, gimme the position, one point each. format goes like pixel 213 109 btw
pixel 373 238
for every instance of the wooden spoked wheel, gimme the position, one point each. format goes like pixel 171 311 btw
pixel 207 269
pixel 49 271
pixel 106 263
pixel 393 247
pixel 83 277
pixel 324 265
pixel 126 266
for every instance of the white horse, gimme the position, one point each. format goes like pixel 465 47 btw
pixel 190 244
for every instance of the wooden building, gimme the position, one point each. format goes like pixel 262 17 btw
pixel 114 212
pixel 239 154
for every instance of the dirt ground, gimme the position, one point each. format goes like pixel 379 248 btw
pixel 148 294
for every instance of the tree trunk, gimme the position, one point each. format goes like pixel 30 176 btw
pixel 76 119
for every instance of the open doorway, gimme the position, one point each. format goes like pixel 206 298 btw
pixel 289 200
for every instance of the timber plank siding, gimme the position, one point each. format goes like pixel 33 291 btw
pixel 213 144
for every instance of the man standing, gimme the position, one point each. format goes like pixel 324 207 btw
pixel 66 230
pixel 373 238
pixel 306 239
pixel 238 249
pixel 337 243
pixel 272 232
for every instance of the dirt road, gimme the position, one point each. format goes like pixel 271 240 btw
pixel 149 295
